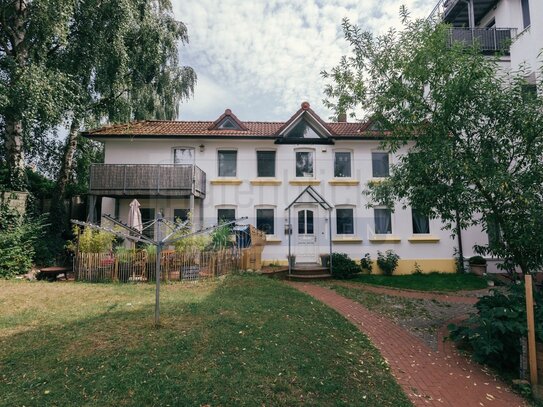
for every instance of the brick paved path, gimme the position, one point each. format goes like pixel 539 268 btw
pixel 428 378
pixel 423 295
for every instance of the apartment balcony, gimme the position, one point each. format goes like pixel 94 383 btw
pixel 490 40
pixel 456 12
pixel 147 180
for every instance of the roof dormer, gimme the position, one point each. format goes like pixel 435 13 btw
pixel 227 121
pixel 304 127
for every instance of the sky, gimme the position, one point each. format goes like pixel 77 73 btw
pixel 261 58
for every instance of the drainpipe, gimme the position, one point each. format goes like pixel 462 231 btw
pixel 459 234
pixel 471 13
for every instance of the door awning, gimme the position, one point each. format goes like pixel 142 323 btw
pixel 310 195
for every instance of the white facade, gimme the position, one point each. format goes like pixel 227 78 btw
pixel 246 194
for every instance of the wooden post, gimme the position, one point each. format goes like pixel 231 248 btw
pixel 531 329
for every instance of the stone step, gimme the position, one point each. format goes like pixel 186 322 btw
pixel 319 270
pixel 305 277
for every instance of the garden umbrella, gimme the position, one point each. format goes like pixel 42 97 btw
pixel 134 216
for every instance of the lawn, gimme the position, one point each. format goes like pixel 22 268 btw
pixel 246 340
pixel 426 282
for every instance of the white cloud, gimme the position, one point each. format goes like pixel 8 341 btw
pixel 263 58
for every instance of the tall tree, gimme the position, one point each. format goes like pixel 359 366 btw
pixel 470 136
pixel 32 95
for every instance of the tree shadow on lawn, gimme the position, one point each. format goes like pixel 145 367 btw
pixel 252 341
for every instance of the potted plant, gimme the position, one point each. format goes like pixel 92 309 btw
pixel 291 260
pixel 477 265
pixel 325 259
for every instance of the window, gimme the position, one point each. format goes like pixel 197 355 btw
pixel 302 130
pixel 180 215
pixel 227 163
pixel 304 164
pixel 383 221
pixel 379 162
pixel 228 124
pixel 305 222
pixel 344 221
pixel 265 163
pixel 182 155
pixel 265 221
pixel 342 164
pixel 421 223
pixel 226 215
pixel 493 231
pixel 148 215
pixel 525 4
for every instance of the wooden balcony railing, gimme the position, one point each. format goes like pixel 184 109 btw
pixel 147 180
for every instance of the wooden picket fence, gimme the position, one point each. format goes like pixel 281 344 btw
pixel 141 266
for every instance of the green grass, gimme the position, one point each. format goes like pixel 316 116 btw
pixel 243 341
pixel 426 282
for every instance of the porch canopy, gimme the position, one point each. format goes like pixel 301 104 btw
pixel 309 196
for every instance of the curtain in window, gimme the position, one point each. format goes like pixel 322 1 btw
pixel 304 164
pixel 421 223
pixel 383 223
pixel 183 156
pixel 342 164
pixel 227 163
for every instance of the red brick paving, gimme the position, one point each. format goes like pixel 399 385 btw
pixel 428 378
pixel 423 295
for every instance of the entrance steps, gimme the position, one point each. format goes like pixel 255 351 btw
pixel 309 271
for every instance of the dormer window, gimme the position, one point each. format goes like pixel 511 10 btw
pixel 302 130
pixel 228 124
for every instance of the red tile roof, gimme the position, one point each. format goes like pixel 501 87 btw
pixel 169 128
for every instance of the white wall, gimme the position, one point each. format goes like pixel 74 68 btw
pixel 246 197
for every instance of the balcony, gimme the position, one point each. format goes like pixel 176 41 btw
pixel 490 40
pixel 147 180
pixel 457 13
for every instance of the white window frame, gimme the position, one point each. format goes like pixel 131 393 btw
pixel 237 159
pixel 392 225
pixel 184 148
pixel 342 150
pixel 306 150
pixel 225 206
pixel 371 161
pixel 334 226
pixel 274 163
pixel 413 229
pixel 274 208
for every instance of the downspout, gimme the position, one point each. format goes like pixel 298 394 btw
pixel 459 234
pixel 471 13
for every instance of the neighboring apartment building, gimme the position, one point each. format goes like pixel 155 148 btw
pixel 229 168
pixel 512 26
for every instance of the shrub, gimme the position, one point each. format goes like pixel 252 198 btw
pixel 343 266
pixel 477 260
pixel 366 263
pixel 388 262
pixel 193 243
pixel 494 332
pixel 221 237
pixel 18 237
pixel 91 241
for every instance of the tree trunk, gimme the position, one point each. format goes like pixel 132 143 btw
pixel 14 154
pixel 13 119
pixel 58 207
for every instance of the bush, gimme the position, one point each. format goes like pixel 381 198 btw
pixel 477 260
pixel 18 237
pixel 366 263
pixel 343 266
pixel 388 262
pixel 494 332
pixel 91 241
pixel 221 237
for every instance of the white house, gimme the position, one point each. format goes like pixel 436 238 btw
pixel 513 27
pixel 230 168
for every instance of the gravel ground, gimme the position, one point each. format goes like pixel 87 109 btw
pixel 422 318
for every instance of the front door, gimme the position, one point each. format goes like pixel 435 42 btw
pixel 306 245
